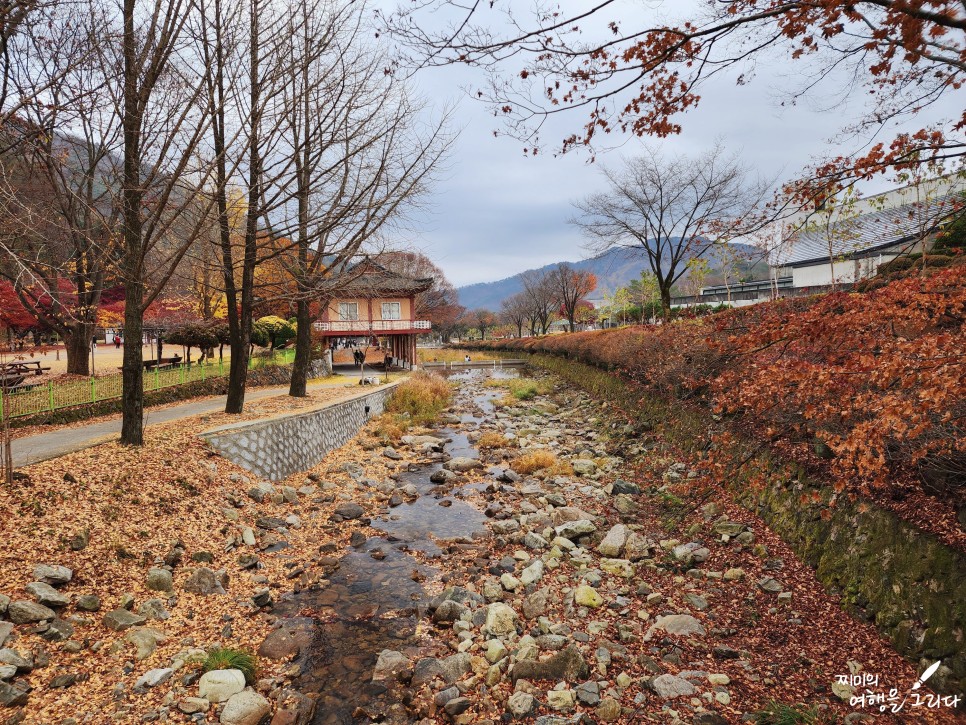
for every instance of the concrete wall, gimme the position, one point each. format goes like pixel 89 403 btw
pixel 275 448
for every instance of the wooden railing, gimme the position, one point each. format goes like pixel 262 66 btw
pixel 367 326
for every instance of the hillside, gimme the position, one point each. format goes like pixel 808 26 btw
pixel 613 269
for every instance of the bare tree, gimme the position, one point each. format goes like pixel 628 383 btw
pixel 161 103
pixel 358 157
pixel 570 287
pixel 60 175
pixel 514 311
pixel 672 209
pixel 542 302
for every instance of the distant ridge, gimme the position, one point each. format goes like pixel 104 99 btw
pixel 614 268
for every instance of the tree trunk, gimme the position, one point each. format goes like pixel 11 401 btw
pixel 132 371
pixel 77 342
pixel 132 389
pixel 666 302
pixel 303 350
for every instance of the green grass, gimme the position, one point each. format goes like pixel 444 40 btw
pixel 777 713
pixel 226 658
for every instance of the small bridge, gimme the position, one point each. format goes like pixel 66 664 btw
pixel 461 365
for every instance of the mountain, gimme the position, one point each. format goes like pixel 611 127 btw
pixel 614 268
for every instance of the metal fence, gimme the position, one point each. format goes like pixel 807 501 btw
pixel 56 394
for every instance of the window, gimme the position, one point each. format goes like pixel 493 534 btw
pixel 348 310
pixel 391 311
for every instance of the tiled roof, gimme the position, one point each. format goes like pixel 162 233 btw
pixel 370 278
pixel 862 233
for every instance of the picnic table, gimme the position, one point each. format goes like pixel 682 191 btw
pixel 22 367
pixel 13 374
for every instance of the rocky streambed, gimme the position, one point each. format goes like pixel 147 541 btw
pixel 521 564
pixel 536 558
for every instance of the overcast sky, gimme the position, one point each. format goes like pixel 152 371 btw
pixel 497 212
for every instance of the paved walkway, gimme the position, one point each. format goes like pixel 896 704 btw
pixel 33 449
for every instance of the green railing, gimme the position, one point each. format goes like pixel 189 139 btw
pixel 55 394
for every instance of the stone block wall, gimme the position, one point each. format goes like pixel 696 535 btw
pixel 278 447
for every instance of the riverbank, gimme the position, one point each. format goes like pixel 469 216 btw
pixel 529 558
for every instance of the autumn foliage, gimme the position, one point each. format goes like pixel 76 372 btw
pixel 878 377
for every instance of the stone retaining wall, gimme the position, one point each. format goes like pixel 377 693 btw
pixel 276 448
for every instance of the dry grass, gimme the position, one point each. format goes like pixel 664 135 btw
pixel 541 460
pixel 449 355
pixel 522 388
pixel 492 440
pixel 416 401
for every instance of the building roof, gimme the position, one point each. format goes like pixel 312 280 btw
pixel 368 278
pixel 866 233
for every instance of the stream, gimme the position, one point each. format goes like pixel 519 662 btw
pixel 375 598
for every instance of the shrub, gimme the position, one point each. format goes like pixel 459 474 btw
pixel 226 658
pixel 421 397
pixel 878 376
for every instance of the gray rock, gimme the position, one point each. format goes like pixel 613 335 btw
pixel 88 603
pixel 624 487
pixel 159 580
pixel 219 685
pixel 457 706
pixel 461 464
pixel 11 696
pixel 153 678
pixel 614 541
pixel 350 510
pixel 20 662
pixel 5 629
pixel 47 595
pixel 728 528
pixel 121 619
pixel 500 619
pixel 442 476
pixel 521 705
pixel 145 640
pixel 770 585
pixel 206 582
pixel 588 693
pixel 575 529
pixel 568 665
pixel 29 612
pixel 53 574
pixel 389 665
pixel 245 708
pixel 535 605
pixel 671 686
pixel 449 611
pixel 59 630
pixel 680 624
pixel 455 667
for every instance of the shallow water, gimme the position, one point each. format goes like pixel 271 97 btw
pixel 370 604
